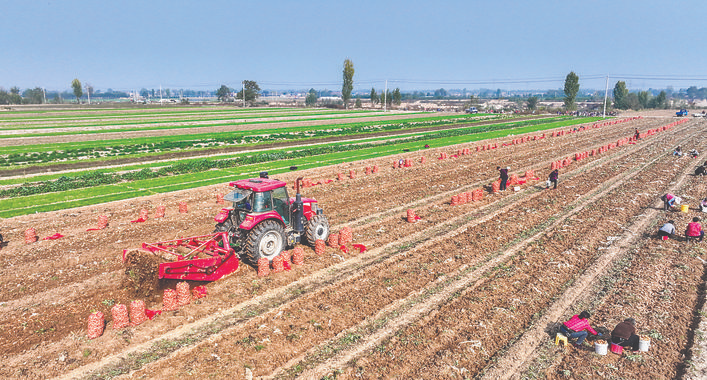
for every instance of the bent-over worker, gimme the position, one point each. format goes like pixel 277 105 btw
pixel 575 328
pixel 624 334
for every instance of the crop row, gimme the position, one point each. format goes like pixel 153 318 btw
pixel 92 150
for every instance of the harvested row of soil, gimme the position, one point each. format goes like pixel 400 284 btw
pixel 127 235
pixel 378 287
pixel 503 305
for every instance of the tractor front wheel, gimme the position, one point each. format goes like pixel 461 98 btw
pixel 267 240
pixel 317 229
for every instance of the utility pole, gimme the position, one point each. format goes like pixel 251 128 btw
pixel 44 91
pixel 243 92
pixel 606 94
pixel 385 95
pixel 88 93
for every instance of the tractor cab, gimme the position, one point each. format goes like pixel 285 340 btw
pixel 260 195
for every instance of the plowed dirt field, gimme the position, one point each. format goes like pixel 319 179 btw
pixel 468 291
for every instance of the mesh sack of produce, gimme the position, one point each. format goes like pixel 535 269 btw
pixel 121 319
pixel 137 312
pixel 278 264
pixel 96 323
pixel 183 293
pixel 320 246
pixel 159 211
pixel 298 256
pixel 102 222
pixel 345 235
pixel 263 267
pixel 30 235
pixel 333 240
pixel 169 300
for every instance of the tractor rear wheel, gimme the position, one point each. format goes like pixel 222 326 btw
pixel 267 240
pixel 317 228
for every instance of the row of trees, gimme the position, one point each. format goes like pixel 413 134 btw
pixel 623 99
pixel 250 89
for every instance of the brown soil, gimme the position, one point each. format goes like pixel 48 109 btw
pixel 441 298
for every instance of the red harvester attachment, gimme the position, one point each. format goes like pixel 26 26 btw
pixel 182 261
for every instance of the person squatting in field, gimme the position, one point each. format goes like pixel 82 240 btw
pixel 694 230
pixel 504 176
pixel 667 230
pixel 624 334
pixel 575 328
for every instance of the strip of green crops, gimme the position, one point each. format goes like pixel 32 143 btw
pixel 105 193
pixel 139 147
pixel 550 123
pixel 169 120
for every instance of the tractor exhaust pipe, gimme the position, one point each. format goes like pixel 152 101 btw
pixel 298 210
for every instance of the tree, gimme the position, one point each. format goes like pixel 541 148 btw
pixel 347 86
pixel 223 93
pixel 144 93
pixel 621 95
pixel 252 91
pixel 644 98
pixel 374 97
pixel 532 102
pixel 34 95
pixel 659 101
pixel 78 92
pixel 311 99
pixel 358 102
pixel 571 90
pixel 692 92
pixel 397 97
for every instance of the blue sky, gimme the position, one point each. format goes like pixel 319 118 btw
pixel 128 44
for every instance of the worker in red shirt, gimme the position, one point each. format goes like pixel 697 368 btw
pixel 694 230
pixel 576 326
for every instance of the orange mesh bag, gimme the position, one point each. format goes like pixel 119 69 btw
pixel 137 312
pixel 121 319
pixel 345 235
pixel 183 293
pixel 333 240
pixel 96 323
pixel 320 246
pixel 263 267
pixel 278 264
pixel 298 256
pixel 169 300
pixel 30 235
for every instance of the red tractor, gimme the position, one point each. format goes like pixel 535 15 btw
pixel 264 220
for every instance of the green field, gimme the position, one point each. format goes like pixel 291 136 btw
pixel 48 192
